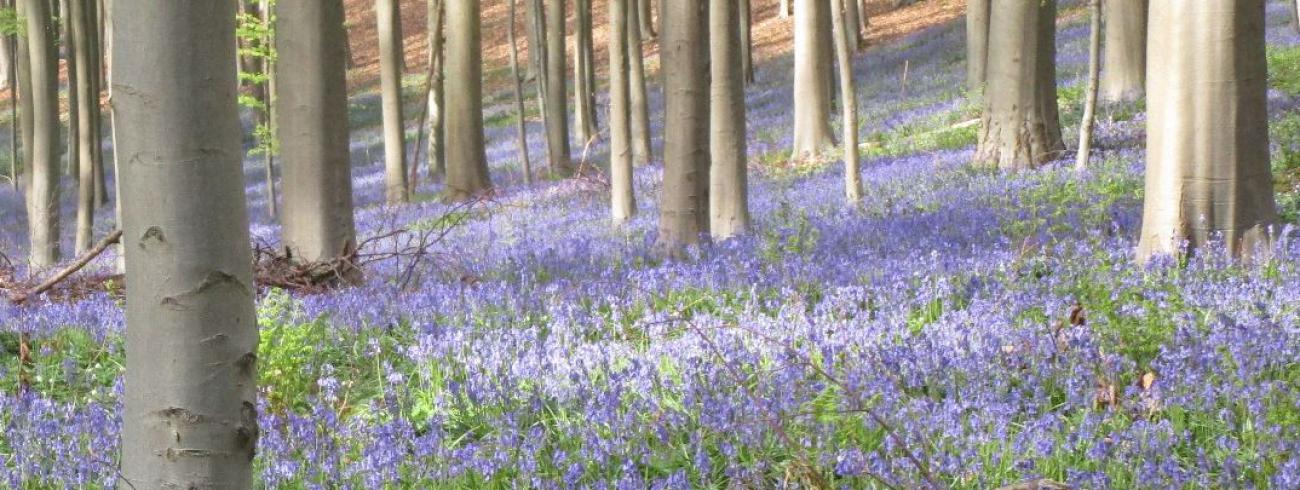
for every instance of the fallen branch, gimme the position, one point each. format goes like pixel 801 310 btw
pixel 76 265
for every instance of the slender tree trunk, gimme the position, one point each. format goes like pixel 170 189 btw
pixel 784 9
pixel 622 196
pixel 313 131
pixel 1124 77
pixel 1090 103
pixel 1021 125
pixel 1208 175
pixel 812 130
pixel 557 123
pixel 728 179
pixel 6 58
pixel 520 124
pixel 584 107
pixel 747 41
pixel 683 209
pixel 390 74
pixel 73 164
pixel 43 169
pixel 978 14
pixel 638 97
pixel 268 156
pixel 467 171
pixel 83 83
pixel 864 21
pixel 14 133
pixel 851 19
pixel 95 36
pixel 645 19
pixel 533 36
pixel 26 108
pixel 538 59
pixel 437 154
pixel 190 408
pixel 848 100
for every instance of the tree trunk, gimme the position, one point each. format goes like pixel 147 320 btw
pixel 848 100
pixel 467 170
pixel 43 168
pixel 977 43
pixel 313 130
pixel 622 197
pixel 390 74
pixel 684 216
pixel 812 130
pixel 584 107
pixel 557 123
pixel 520 123
pixel 14 124
pixel 645 19
pixel 728 179
pixel 72 155
pixel 95 40
pixel 747 41
pixel 538 59
pixel 1124 77
pixel 864 21
pixel 533 36
pixel 638 97
pixel 268 154
pixel 437 146
pixel 1021 125
pixel 1090 103
pixel 83 84
pixel 784 9
pixel 1208 174
pixel 190 408
pixel 851 25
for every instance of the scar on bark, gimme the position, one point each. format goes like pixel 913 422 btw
pixel 213 280
pixel 152 235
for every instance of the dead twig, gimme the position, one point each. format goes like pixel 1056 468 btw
pixel 76 265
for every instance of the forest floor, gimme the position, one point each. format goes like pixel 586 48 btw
pixel 961 328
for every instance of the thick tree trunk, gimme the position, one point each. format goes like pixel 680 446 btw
pixel 83 84
pixel 683 209
pixel 557 123
pixel 390 74
pixel 977 42
pixel 622 198
pixel 520 123
pixel 1124 76
pixel 747 41
pixel 728 179
pixel 1090 102
pixel 190 408
pixel 313 130
pixel 467 170
pixel 584 100
pixel 43 136
pixel 1208 173
pixel 638 96
pixel 812 130
pixel 437 146
pixel 1021 124
pixel 848 102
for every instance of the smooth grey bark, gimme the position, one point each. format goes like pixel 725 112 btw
pixel 639 100
pixel 538 60
pixel 71 156
pixel 1208 174
pixel 812 130
pixel 848 101
pixel 318 221
pixel 1090 102
pixel 584 100
pixel 270 118
pixel 437 145
pixel 517 86
pixel 728 156
pixel 190 408
pixel 1124 75
pixel 15 160
pixel 43 137
pixel 977 42
pixel 388 17
pixel 557 123
pixel 95 43
pixel 645 19
pixel 26 122
pixel 747 41
pixel 684 205
pixel 83 84
pixel 622 198
pixel 852 24
pixel 533 36
pixel 467 171
pixel 1021 123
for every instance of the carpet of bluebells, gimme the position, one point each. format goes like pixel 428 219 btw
pixel 932 336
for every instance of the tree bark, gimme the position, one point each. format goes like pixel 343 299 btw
pixel 851 23
pixel 783 10
pixel 557 123
pixel 728 179
pixel 747 41
pixel 1208 174
pixel 848 100
pixel 95 37
pixel 467 170
pixel 313 130
pixel 622 197
pixel 977 43
pixel 533 36
pixel 43 136
pixel 584 101
pixel 520 123
pixel 388 16
pixel 683 215
pixel 1090 102
pixel 812 130
pixel 72 155
pixel 1021 125
pixel 1124 76
pixel 645 19
pixel 190 410
pixel 82 83
pixel 639 100
pixel 437 145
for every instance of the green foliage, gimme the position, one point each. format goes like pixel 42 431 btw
pixel 256 35
pixel 790 234
pixel 9 22
pixel 1284 69
pixel 1285 134
pixel 70 366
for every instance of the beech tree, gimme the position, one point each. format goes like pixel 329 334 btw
pixel 638 98
pixel 584 91
pixel 1090 100
pixel 645 19
pixel 434 107
pixel 41 130
pixel 683 207
pixel 812 130
pixel 729 184
pixel 516 85
pixel 1124 76
pixel 977 42
pixel 848 101
pixel 85 83
pixel 622 196
pixel 557 124
pixel 388 17
pixel 190 411
pixel 467 170
pixel 1021 123
pixel 1208 173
